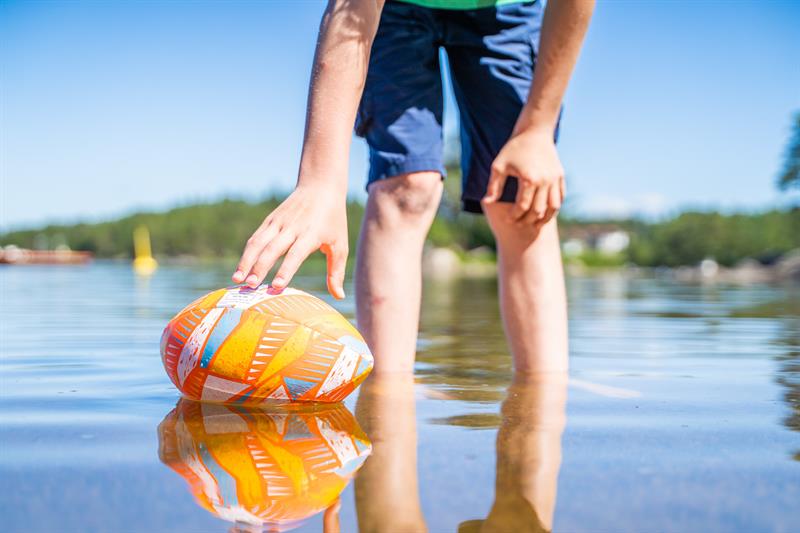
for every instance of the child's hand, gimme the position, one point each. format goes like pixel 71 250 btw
pixel 308 220
pixel 531 157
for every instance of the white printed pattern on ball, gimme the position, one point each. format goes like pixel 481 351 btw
pixel 190 354
pixel 242 298
pixel 342 371
pixel 216 389
pixel 278 394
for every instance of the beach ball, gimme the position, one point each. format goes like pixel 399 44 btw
pixel 250 346
pixel 262 470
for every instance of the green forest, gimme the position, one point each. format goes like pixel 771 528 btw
pixel 220 229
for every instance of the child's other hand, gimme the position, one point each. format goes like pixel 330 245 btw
pixel 309 219
pixel 531 157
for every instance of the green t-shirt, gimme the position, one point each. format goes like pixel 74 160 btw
pixel 461 4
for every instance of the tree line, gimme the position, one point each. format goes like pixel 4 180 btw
pixel 220 229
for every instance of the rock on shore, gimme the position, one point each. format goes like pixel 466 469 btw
pixel 746 271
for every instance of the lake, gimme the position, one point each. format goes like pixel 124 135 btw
pixel 682 413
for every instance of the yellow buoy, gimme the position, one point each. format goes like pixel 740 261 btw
pixel 143 261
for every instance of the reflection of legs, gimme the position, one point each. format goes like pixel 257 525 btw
pixel 532 296
pixel 386 491
pixel 388 266
pixel 529 454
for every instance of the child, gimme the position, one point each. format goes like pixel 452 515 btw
pixel 387 55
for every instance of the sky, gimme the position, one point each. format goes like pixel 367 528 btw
pixel 111 107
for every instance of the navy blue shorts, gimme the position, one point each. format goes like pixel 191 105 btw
pixel 491 53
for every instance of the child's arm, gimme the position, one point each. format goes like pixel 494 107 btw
pixel 530 154
pixel 313 216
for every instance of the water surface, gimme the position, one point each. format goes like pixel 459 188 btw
pixel 682 413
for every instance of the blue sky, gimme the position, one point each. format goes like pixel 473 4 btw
pixel 109 107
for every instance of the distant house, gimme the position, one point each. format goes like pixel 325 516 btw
pixel 607 239
pixel 612 242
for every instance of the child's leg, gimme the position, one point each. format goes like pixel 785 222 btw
pixel 532 296
pixel 398 215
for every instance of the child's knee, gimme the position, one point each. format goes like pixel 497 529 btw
pixel 517 237
pixel 408 198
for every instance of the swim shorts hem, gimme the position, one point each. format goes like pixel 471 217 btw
pixel 471 206
pixel 381 169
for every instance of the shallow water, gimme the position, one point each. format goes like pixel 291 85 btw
pixel 682 413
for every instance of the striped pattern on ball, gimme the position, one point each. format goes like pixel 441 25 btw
pixel 248 346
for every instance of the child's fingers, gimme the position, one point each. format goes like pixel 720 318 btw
pixel 523 201
pixel 248 259
pixel 540 201
pixel 269 255
pixel 555 198
pixel 298 253
pixel 255 244
pixel 337 264
pixel 553 203
pixel 494 189
pixel 537 212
